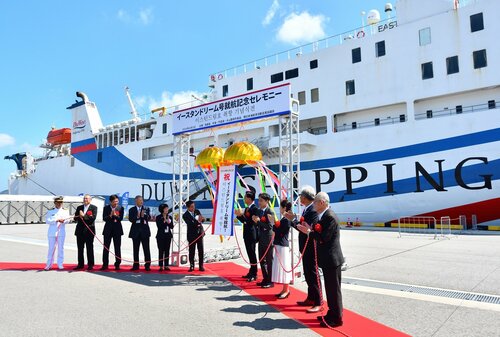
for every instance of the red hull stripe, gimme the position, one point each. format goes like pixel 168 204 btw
pixel 84 148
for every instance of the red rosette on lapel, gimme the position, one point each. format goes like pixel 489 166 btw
pixel 263 219
pixel 277 223
pixel 318 228
pixel 89 213
pixel 117 213
pixel 247 214
pixel 301 219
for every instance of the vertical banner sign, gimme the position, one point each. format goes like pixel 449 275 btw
pixel 224 205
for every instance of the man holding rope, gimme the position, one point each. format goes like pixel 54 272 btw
pixel 309 216
pixel 326 236
pixel 250 233
pixel 85 216
pixel 56 218
pixel 195 233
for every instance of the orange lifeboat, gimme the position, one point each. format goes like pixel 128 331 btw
pixel 59 136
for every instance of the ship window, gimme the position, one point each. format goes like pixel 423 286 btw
pixel 164 128
pixel 225 90
pixel 313 64
pixel 115 138
pixel 492 104
pixel 314 95
pixel 402 118
pixel 452 65
pixel 72 161
pixel 427 71
pixel 354 125
pixel 480 60
pixel 276 77
pixel 132 134
pixel 99 157
pixel 429 113
pixel 476 22
pixel 356 55
pixel 100 141
pixel 380 48
pixel 377 121
pixel 302 97
pixel 424 36
pixel 250 83
pixel 350 88
pixel 127 135
pixel 110 138
pixel 105 140
pixel 292 73
pixel 121 136
pixel 458 109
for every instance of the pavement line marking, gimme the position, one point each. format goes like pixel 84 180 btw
pixel 422 297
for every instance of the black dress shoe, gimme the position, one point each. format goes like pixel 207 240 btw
pixel 90 268
pixel 117 267
pixel 202 269
pixel 268 285
pixel 104 268
pixel 161 269
pixel 166 269
pixel 134 268
pixel 251 278
pixel 332 324
pixel 260 284
pixel 246 276
pixel 78 268
pixel 191 268
pixel 306 303
pixel 147 268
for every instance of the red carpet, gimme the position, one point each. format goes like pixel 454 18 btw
pixel 354 325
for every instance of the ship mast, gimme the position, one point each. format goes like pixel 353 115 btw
pixel 131 103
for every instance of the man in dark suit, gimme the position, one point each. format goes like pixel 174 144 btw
pixel 265 240
pixel 195 233
pixel 326 234
pixel 250 236
pixel 113 230
pixel 139 215
pixel 309 216
pixel 85 216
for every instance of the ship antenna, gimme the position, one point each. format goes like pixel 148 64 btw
pixel 131 103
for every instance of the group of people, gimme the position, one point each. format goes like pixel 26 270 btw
pixel 85 231
pixel 319 241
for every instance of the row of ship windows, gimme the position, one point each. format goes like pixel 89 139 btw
pixel 476 24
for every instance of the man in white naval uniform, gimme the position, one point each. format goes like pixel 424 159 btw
pixel 56 218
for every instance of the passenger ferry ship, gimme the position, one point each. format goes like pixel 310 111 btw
pixel 400 117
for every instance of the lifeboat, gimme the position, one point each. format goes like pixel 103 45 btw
pixel 59 136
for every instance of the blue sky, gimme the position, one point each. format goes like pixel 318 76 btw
pixel 162 50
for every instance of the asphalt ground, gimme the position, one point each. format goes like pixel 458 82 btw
pixel 39 303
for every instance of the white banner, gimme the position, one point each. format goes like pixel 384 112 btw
pixel 254 105
pixel 224 205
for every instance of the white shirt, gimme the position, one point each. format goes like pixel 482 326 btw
pixel 321 214
pixel 138 214
pixel 85 208
pixel 51 219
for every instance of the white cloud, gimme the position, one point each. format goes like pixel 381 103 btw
pixel 271 12
pixel 146 16
pixel 143 17
pixel 6 140
pixel 302 28
pixel 168 100
pixel 35 150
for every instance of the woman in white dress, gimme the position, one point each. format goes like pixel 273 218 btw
pixel 282 256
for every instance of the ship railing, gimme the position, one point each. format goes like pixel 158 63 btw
pixel 458 110
pixel 355 125
pixel 331 41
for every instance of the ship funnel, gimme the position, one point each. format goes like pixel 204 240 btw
pixel 83 96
